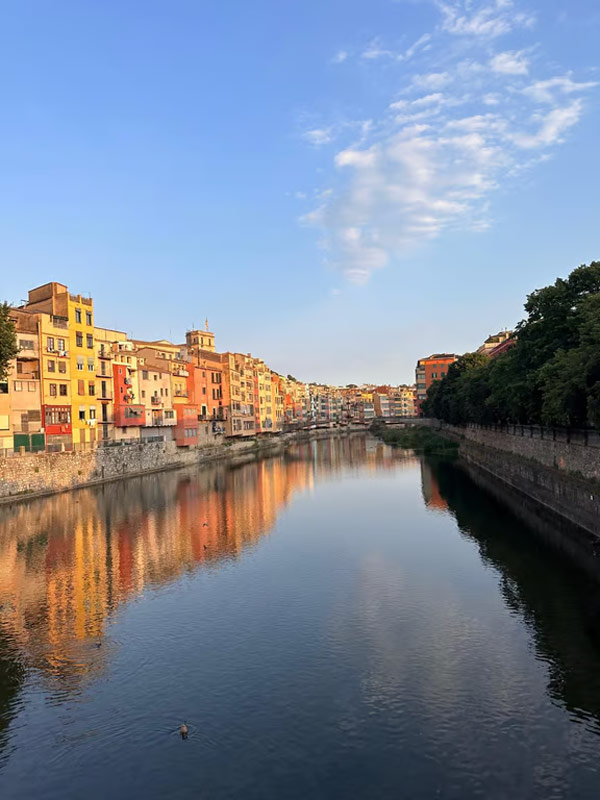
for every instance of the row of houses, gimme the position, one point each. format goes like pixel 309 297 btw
pixel 74 383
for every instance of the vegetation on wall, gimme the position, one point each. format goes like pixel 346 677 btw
pixel 550 376
pixel 8 340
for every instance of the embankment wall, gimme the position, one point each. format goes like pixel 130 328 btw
pixel 562 476
pixel 39 474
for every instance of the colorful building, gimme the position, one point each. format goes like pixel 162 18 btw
pixel 431 369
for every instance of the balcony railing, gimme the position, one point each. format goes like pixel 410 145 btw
pixel 156 401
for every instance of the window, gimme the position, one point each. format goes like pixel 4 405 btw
pixel 169 414
pixel 61 344
pixel 63 389
pixel 79 339
pixel 91 389
pixel 89 340
pixel 51 365
pixel 90 364
pixel 162 392
pixel 62 366
pixel 166 392
pixel 82 414
pixel 143 394
pixel 52 389
pixel 92 413
pixel 88 317
pixel 144 374
pixel 26 344
pixel 77 315
pixel 31 387
pixel 129 359
pixel 58 416
pixel 50 343
pixel 80 363
pixel 80 387
pixel 204 390
pixel 155 376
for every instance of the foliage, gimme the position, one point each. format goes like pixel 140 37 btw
pixel 414 438
pixel 8 340
pixel 550 376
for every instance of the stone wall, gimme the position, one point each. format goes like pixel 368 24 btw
pixel 38 474
pixel 576 453
pixel 558 470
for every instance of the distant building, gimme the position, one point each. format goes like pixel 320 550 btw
pixel 493 342
pixel 431 369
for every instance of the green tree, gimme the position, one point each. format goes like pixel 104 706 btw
pixel 8 340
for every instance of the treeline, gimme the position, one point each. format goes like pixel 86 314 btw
pixel 550 376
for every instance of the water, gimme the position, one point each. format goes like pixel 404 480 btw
pixel 350 622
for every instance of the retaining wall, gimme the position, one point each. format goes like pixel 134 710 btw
pixel 562 475
pixel 39 474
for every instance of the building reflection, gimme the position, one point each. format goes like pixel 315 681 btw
pixel 69 561
pixel 541 565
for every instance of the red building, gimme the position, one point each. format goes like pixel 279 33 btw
pixel 186 429
pixel 431 369
pixel 128 413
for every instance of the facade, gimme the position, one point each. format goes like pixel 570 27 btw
pixel 49 305
pixel 492 343
pixel 155 395
pixel 129 412
pixel 106 341
pixel 431 369
pixel 24 386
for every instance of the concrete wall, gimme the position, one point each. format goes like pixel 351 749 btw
pixel 38 474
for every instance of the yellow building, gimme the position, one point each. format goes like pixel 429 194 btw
pixel 82 357
pixel 50 305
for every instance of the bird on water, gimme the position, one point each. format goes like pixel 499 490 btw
pixel 183 731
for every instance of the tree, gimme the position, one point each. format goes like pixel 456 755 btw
pixel 8 340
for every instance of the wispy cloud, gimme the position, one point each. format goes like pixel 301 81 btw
pixel 453 132
pixel 488 20
pixel 319 136
pixel 375 50
pixel 510 63
pixel 340 56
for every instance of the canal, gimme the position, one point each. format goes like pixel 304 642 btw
pixel 345 621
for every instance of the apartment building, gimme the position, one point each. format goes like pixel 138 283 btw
pixel 430 369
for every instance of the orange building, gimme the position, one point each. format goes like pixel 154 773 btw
pixel 431 369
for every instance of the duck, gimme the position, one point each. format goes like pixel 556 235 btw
pixel 183 730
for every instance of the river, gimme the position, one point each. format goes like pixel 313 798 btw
pixel 345 621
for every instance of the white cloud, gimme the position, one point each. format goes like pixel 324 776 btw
pixel 432 80
pixel 340 57
pixel 451 135
pixel 488 20
pixel 546 91
pixel 319 136
pixel 510 63
pixel 375 50
pixel 551 126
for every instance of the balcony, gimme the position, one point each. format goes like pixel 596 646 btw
pixel 104 353
pixel 60 322
pixel 156 401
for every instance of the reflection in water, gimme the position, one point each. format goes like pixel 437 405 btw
pixel 67 562
pixel 556 612
pixel 400 633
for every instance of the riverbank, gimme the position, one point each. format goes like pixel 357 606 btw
pixel 41 474
pixel 560 475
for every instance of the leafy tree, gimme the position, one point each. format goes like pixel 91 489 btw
pixel 551 374
pixel 8 340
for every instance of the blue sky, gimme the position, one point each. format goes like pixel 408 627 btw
pixel 340 186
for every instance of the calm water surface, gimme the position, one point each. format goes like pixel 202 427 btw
pixel 347 621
